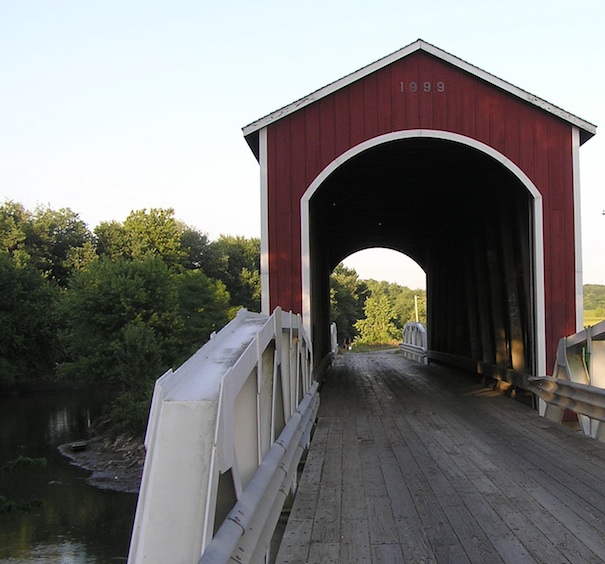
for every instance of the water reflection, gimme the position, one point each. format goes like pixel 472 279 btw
pixel 78 523
pixel 66 551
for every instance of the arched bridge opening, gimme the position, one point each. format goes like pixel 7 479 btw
pixel 463 216
pixel 475 179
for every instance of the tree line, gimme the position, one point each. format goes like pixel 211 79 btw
pixel 369 312
pixel 594 303
pixel 118 305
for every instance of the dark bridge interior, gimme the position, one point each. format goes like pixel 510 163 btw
pixel 463 217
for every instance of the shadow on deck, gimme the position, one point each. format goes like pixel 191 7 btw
pixel 419 464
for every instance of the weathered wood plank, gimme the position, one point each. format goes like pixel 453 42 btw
pixel 327 522
pixel 356 540
pixel 353 487
pixel 553 517
pixel 386 553
pixel 325 552
pixel 420 473
pixel 296 542
pixel 419 464
pixel 412 536
pixel 541 529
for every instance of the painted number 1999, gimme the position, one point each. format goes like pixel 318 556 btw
pixel 424 87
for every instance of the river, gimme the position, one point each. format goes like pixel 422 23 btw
pixel 77 522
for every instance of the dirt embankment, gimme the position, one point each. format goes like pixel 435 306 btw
pixel 116 464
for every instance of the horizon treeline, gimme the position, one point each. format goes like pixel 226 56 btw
pixel 115 306
pixel 118 305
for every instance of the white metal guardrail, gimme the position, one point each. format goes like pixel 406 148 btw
pixel 415 344
pixel 246 532
pixel 225 433
pixel 578 381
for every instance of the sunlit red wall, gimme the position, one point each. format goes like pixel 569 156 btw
pixel 446 98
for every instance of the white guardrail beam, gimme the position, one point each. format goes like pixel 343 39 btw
pixel 226 431
pixel 415 342
pixel 240 532
pixel 578 381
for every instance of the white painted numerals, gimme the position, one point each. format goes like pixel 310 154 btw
pixel 426 86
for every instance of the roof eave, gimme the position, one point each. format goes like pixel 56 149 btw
pixel 587 129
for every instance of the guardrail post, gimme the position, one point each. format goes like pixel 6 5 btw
pixel 578 381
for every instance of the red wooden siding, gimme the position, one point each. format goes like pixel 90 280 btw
pixel 302 144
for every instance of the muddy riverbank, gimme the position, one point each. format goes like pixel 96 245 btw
pixel 116 464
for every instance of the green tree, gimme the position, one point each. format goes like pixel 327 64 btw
pixel 236 262
pixel 203 309
pixel 402 299
pixel 111 240
pixel 28 322
pixel 594 296
pixel 155 232
pixel 53 238
pixel 404 305
pixel 47 239
pixel 13 221
pixel 197 249
pixel 128 321
pixel 378 325
pixel 106 307
pixel 81 257
pixel 347 296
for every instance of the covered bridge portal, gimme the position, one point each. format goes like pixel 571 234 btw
pixel 470 176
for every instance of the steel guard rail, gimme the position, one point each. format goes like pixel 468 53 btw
pixel 226 430
pixel 578 381
pixel 582 399
pixel 415 342
pixel 247 530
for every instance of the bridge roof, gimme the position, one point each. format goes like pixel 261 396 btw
pixel 587 129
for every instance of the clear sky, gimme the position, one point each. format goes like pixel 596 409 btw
pixel 110 106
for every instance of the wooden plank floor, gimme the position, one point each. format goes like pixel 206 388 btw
pixel 419 464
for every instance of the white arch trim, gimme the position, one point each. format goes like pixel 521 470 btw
pixel 538 256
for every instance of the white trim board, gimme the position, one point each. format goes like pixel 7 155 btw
pixel 577 220
pixel 587 129
pixel 538 246
pixel 264 225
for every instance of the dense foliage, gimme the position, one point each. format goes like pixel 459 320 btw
pixel 28 321
pixel 372 312
pixel 594 303
pixel 347 298
pixel 117 306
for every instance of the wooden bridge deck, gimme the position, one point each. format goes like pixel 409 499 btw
pixel 418 464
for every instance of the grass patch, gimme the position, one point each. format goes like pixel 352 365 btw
pixel 592 317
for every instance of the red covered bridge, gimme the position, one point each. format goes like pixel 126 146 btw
pixel 472 177
pixel 477 181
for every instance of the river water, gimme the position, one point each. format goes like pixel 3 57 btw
pixel 77 523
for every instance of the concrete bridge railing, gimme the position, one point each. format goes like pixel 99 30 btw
pixel 578 381
pixel 226 431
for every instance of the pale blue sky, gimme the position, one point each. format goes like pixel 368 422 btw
pixel 109 106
